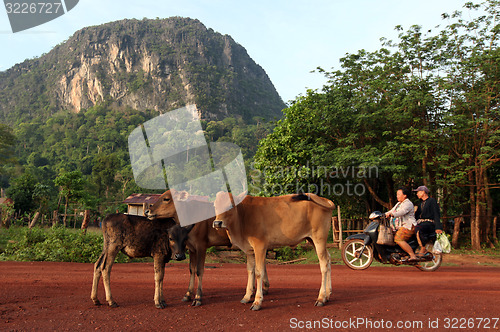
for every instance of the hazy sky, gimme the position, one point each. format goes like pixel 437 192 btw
pixel 288 38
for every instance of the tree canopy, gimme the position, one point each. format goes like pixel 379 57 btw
pixel 7 141
pixel 421 110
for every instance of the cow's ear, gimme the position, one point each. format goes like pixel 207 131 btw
pixel 238 199
pixel 184 196
pixel 189 227
pixel 181 195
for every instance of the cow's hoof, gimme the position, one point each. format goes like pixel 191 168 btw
pixel 255 307
pixel 319 304
pixel 96 302
pixel 186 298
pixel 245 301
pixel 196 303
pixel 161 305
pixel 114 305
pixel 265 291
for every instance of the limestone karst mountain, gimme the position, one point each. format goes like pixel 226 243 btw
pixel 156 65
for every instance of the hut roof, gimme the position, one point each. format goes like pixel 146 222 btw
pixel 142 198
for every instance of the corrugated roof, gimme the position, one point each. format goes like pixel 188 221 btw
pixel 142 198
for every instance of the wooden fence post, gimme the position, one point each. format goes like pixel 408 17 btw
pixel 55 218
pixel 335 231
pixel 86 220
pixel 340 226
pixel 35 219
pixel 74 224
pixel 494 229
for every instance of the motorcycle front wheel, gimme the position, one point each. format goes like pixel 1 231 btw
pixel 352 256
pixel 433 265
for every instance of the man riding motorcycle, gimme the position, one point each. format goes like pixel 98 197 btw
pixel 428 218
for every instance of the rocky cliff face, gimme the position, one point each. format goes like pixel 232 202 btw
pixel 149 64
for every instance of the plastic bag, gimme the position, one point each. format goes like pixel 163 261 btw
pixel 444 242
pixel 437 249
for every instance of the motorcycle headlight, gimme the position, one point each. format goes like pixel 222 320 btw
pixel 375 215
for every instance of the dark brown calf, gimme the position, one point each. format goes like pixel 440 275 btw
pixel 136 237
pixel 202 237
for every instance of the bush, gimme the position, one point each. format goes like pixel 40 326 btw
pixel 289 254
pixel 57 244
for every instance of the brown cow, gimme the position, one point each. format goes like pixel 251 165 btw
pixel 200 238
pixel 261 223
pixel 137 236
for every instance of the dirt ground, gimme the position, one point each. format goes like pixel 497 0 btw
pixel 56 296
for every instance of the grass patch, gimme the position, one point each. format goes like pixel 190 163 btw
pixel 493 252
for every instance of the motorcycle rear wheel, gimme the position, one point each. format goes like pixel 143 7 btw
pixel 433 265
pixel 351 257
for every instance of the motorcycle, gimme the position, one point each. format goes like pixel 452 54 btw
pixel 359 250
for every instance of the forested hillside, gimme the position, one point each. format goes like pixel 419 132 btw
pixel 91 148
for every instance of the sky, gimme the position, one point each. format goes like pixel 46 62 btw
pixel 287 38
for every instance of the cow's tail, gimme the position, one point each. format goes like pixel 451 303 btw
pixel 323 202
pixel 101 262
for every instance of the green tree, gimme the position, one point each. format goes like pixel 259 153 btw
pixel 471 86
pixel 21 192
pixel 377 112
pixel 41 195
pixel 104 172
pixel 308 146
pixel 7 141
pixel 71 188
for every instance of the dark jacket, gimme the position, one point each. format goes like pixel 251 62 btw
pixel 429 209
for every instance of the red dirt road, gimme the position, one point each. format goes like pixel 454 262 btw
pixel 56 296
